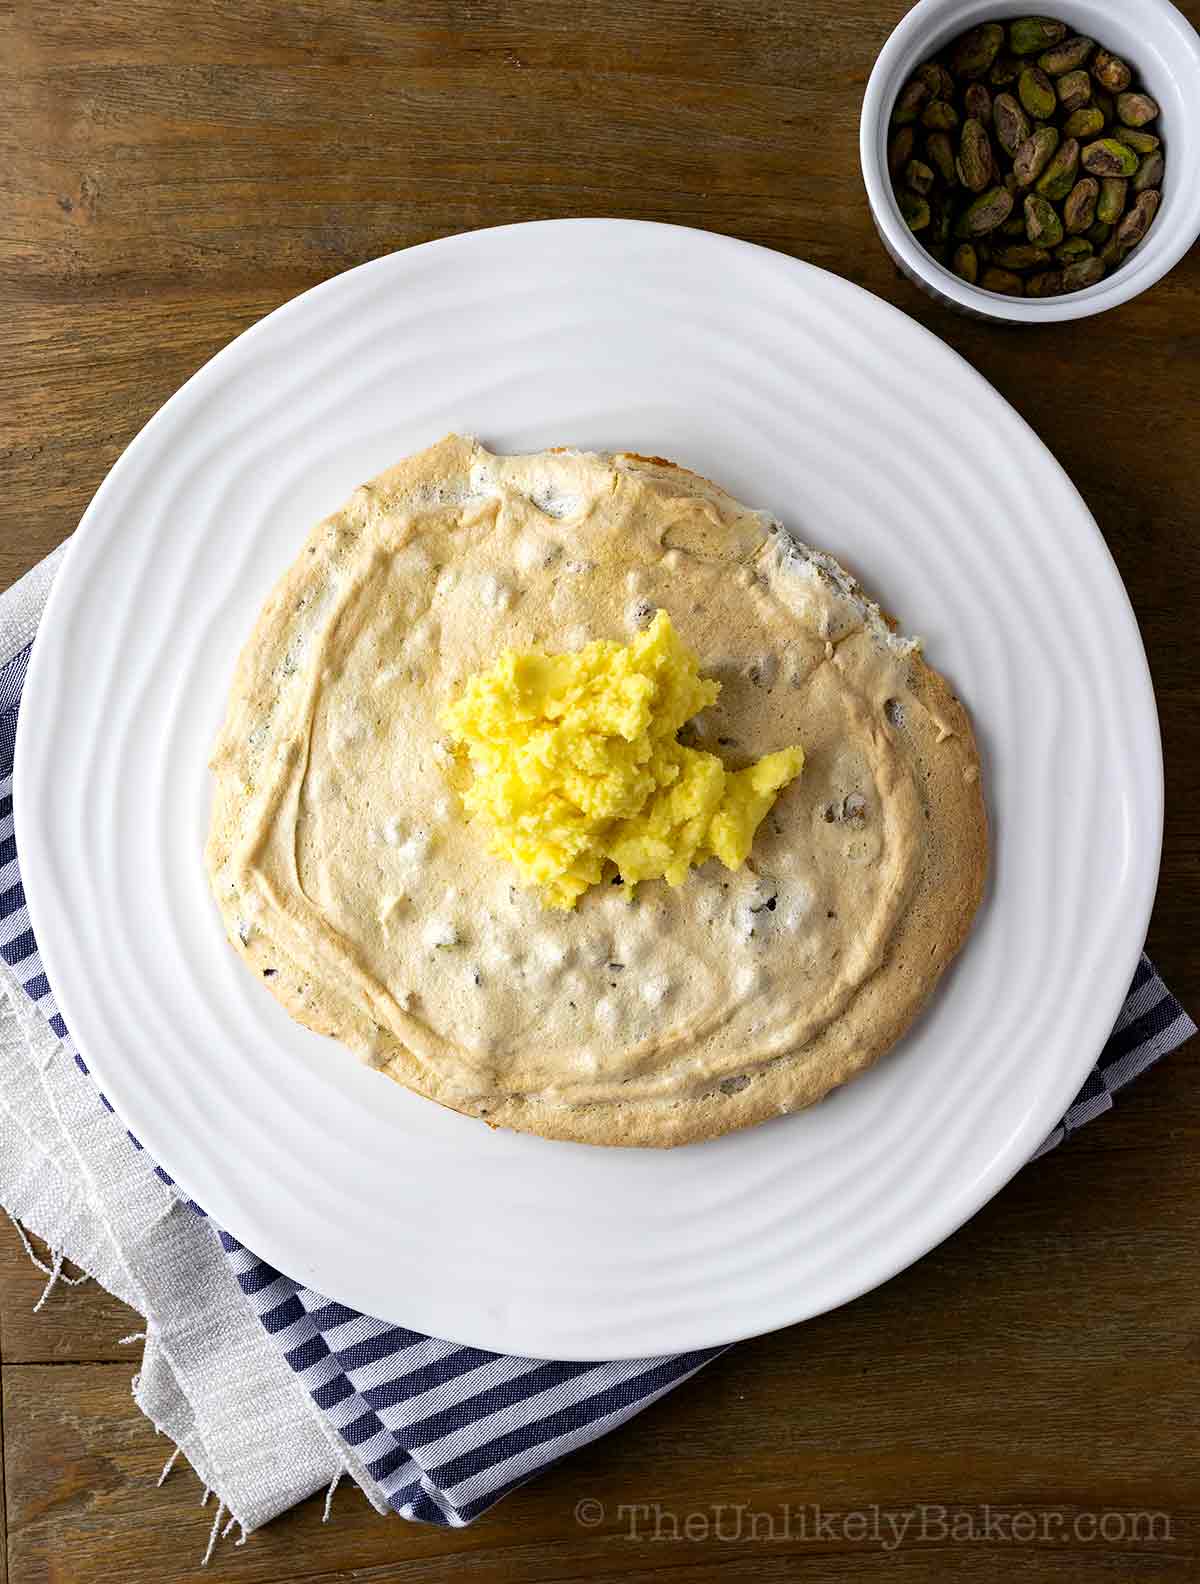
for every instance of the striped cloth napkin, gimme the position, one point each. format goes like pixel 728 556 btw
pixel 430 1429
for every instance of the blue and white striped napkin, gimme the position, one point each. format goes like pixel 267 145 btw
pixel 444 1431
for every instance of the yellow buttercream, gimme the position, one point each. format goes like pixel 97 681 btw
pixel 576 765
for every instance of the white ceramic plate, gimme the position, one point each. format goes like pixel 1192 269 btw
pixel 801 394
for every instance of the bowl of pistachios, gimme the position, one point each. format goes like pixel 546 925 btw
pixel 1025 166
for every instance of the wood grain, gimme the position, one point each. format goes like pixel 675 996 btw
pixel 170 173
pixel 3 1492
pixel 82 1323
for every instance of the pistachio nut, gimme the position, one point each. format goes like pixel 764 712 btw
pixel 918 176
pixel 939 151
pixel 1042 225
pixel 1036 93
pixel 1002 175
pixel 1149 172
pixel 1031 35
pixel 1074 90
pixel 1020 256
pixel 937 79
pixel 965 263
pixel 1079 208
pixel 939 115
pixel 914 208
pixel 900 149
pixel 973 53
pixel 1114 192
pixel 1105 103
pixel 1010 122
pixel 1112 252
pixel 1034 155
pixel 1134 138
pixel 1098 233
pixel 1107 157
pixel 1110 71
pixel 1067 56
pixel 1138 221
pixel 1014 226
pixel 1060 174
pixel 985 213
pixel 910 102
pixel 1075 247
pixel 1048 284
pixel 1002 280
pixel 974 163
pixel 1084 124
pixel 1005 69
pixel 978 103
pixel 939 221
pixel 1084 272
pixel 1136 109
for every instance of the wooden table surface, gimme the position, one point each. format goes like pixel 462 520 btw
pixel 172 172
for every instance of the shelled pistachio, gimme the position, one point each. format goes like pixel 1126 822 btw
pixel 1026 157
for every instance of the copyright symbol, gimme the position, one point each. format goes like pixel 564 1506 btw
pixel 589 1512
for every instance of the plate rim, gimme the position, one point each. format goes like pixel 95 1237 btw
pixel 1038 1121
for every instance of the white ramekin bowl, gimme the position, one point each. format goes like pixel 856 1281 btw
pixel 1164 51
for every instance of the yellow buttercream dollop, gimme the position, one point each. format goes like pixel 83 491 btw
pixel 575 765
